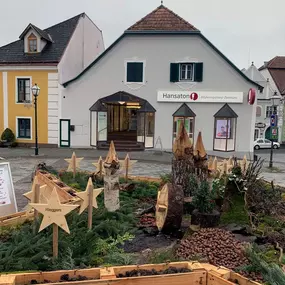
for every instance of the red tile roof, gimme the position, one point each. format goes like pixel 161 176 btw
pixel 276 67
pixel 162 19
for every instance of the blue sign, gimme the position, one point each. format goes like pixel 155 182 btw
pixel 273 121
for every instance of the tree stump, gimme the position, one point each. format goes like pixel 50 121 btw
pixel 111 187
pixel 169 208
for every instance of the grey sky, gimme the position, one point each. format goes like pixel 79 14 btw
pixel 234 27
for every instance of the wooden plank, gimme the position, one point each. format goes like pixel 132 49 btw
pixel 214 279
pixel 242 280
pixel 220 271
pixel 107 273
pixel 18 218
pixel 144 178
pixel 7 280
pixel 54 276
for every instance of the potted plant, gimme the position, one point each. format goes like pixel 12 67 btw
pixel 205 213
pixel 8 138
pixel 218 191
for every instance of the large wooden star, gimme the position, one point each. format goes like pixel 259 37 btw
pixel 74 162
pixel 54 212
pixel 85 196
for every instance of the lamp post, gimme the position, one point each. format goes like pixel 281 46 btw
pixel 36 92
pixel 275 101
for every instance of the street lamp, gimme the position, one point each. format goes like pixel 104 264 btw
pixel 275 101
pixel 36 92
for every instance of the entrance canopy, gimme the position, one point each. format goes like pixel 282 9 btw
pixel 122 97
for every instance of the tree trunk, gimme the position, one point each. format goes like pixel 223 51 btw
pixel 111 187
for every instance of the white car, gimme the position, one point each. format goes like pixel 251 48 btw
pixel 264 143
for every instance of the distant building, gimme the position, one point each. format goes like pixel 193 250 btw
pixel 47 58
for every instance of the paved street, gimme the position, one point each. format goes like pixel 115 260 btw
pixel 149 164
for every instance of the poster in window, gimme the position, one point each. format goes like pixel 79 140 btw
pixel 223 128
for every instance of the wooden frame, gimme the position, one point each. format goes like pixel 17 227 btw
pixel 32 38
pixel 202 274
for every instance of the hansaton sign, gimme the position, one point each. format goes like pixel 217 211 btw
pixel 199 97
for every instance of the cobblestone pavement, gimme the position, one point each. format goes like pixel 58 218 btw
pixel 22 169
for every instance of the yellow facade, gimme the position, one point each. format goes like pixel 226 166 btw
pixel 1 105
pixel 18 110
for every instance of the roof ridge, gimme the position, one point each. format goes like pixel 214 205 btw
pixel 77 16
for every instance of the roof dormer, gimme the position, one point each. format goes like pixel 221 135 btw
pixel 35 39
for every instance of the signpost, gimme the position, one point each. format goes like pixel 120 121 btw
pixel 273 135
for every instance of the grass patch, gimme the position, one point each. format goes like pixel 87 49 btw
pixel 237 213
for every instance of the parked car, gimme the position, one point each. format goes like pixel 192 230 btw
pixel 264 143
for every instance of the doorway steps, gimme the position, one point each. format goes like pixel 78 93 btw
pixel 122 145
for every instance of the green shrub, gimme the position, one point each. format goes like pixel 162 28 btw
pixel 192 185
pixel 8 136
pixel 203 199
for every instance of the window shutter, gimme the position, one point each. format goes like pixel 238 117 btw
pixel 174 72
pixel 198 74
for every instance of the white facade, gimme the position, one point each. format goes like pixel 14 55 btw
pixel 84 46
pixel 264 103
pixel 108 76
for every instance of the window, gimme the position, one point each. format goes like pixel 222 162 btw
pixel 190 71
pixel 135 72
pixel 258 111
pixel 260 141
pixel 24 90
pixel 24 128
pixel 186 116
pixel 270 110
pixel 187 71
pixel 225 129
pixel 32 43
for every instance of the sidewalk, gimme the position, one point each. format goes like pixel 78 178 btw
pixel 57 153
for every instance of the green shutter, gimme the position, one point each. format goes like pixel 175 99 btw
pixel 174 72
pixel 198 74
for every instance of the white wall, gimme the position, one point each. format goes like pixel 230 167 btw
pixel 85 45
pixel 107 77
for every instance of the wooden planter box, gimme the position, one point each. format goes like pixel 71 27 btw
pixel 202 274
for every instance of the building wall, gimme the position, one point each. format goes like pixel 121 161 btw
pixel 108 75
pixel 1 105
pixel 272 88
pixel 15 109
pixel 84 46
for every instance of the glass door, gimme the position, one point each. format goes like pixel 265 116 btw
pixel 102 126
pixel 140 127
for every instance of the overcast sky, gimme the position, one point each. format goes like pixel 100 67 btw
pixel 244 30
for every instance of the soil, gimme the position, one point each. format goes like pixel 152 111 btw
pixel 143 241
pixel 144 272
pixel 64 278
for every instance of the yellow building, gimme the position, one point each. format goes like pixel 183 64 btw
pixel 47 58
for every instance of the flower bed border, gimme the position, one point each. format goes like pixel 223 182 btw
pixel 202 273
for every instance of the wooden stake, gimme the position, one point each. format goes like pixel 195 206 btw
pixel 55 241
pixel 101 167
pixel 36 200
pixel 90 206
pixel 74 164
pixel 127 167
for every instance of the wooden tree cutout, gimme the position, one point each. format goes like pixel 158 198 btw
pixel 182 145
pixel 74 163
pixel 200 152
pixel 111 180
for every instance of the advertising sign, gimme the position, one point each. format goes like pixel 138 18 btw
pixel 199 97
pixel 274 133
pixel 8 204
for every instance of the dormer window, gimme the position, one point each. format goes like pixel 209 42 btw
pixel 32 43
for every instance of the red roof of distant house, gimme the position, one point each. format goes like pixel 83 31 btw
pixel 276 67
pixel 162 19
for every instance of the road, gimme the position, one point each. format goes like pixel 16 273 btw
pixel 278 155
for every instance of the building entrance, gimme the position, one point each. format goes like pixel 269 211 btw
pixel 123 118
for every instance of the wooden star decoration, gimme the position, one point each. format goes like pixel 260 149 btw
pixel 42 196
pixel 74 162
pixel 99 165
pixel 54 212
pixel 85 196
pixel 127 163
